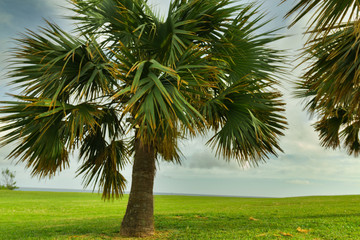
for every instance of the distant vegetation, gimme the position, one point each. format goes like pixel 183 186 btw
pixel 54 215
pixel 8 180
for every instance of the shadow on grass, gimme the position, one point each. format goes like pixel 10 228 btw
pixel 94 228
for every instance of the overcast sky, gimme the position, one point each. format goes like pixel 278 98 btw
pixel 304 168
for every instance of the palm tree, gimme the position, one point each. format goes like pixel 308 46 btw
pixel 130 83
pixel 331 85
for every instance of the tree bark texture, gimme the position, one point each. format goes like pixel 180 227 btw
pixel 139 217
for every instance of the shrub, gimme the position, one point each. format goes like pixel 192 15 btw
pixel 8 181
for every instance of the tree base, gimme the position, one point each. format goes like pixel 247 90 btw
pixel 136 232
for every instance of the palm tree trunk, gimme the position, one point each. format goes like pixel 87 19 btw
pixel 139 217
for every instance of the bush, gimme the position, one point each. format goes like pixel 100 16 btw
pixel 8 181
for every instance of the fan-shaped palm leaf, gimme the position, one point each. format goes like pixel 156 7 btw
pixel 325 14
pixel 331 83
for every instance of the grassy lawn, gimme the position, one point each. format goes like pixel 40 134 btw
pixel 54 215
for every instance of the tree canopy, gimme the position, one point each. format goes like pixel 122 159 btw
pixel 129 83
pixel 330 85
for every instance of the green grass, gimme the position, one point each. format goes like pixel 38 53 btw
pixel 53 215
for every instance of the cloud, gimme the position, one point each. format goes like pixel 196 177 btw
pixel 198 155
pixel 299 182
pixel 5 18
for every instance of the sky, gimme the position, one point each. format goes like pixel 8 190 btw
pixel 305 168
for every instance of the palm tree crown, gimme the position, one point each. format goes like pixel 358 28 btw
pixel 330 85
pixel 126 72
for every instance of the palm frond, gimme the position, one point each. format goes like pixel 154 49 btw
pixel 118 21
pixel 325 14
pixel 332 80
pixel 330 86
pixel 339 128
pixel 41 142
pixel 102 164
pixel 250 123
pixel 48 131
pixel 54 64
